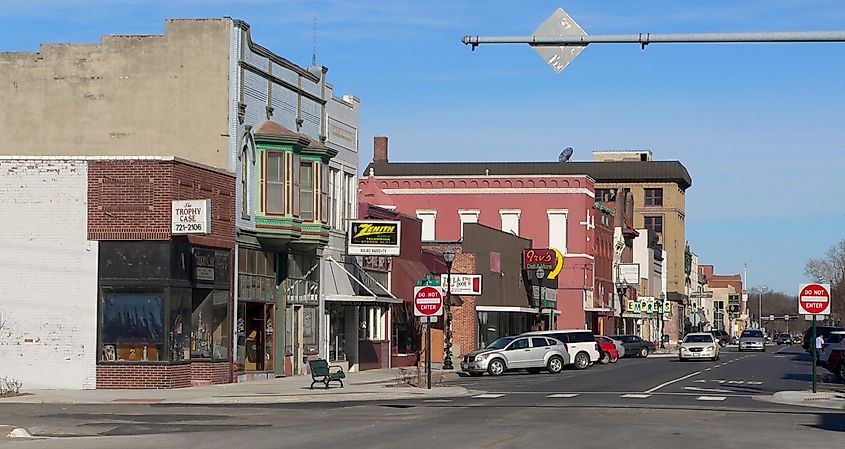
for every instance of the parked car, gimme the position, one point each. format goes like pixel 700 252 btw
pixel 620 348
pixel 810 343
pixel 634 345
pixel 784 339
pixel 833 342
pixel 510 353
pixel 698 345
pixel 836 363
pixel 752 340
pixel 609 353
pixel 579 343
pixel 721 336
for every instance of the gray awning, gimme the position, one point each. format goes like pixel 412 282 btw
pixel 342 285
pixel 358 299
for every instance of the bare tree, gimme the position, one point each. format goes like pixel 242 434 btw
pixel 831 270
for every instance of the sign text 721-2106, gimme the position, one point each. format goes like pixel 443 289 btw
pixel 190 217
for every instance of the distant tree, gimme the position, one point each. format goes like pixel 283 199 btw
pixel 831 270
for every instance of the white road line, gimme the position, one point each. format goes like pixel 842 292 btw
pixel 652 390
pixel 635 396
pixel 488 396
pixel 707 369
pixel 562 395
pixel 710 398
pixel 709 390
pixel 437 400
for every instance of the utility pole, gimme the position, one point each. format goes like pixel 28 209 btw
pixel 560 39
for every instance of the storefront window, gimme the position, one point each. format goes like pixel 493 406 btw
pixel 180 325
pixel 371 323
pixel 220 341
pixel 132 327
pixel 201 317
pixel 256 310
pixel 337 333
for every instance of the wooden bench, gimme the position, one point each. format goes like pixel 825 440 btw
pixel 321 372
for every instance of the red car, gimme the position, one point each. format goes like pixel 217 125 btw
pixel 836 363
pixel 609 354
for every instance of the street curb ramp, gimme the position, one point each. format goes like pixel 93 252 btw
pixel 826 400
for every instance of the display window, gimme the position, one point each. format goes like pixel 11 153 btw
pixel 132 327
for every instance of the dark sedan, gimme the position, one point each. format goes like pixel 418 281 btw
pixel 634 345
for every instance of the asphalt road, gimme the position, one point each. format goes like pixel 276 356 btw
pixel 637 403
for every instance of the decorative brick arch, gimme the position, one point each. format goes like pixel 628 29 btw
pixel 473 184
pixel 440 184
pixel 462 184
pixel 508 183
pixel 564 183
pixel 451 184
pixel 576 183
pixel 429 184
pixel 497 183
pixel 485 183
pixel 542 183
pixel 531 183
pixel 417 184
pixel 406 184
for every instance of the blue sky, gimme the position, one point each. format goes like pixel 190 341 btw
pixel 760 127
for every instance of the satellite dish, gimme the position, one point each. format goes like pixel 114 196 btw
pixel 565 154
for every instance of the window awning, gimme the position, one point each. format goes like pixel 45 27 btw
pixel 513 309
pixel 359 299
pixel 340 285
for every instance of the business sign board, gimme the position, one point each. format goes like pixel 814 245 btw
pixel 464 284
pixel 630 273
pixel 814 299
pixel 733 299
pixel 373 238
pixel 190 216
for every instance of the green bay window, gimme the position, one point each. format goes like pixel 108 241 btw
pixel 306 190
pixel 274 183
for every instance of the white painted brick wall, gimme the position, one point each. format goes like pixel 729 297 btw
pixel 48 275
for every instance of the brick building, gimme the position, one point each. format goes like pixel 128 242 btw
pixel 201 91
pixel 132 304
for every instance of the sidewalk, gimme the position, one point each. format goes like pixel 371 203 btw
pixel 828 400
pixel 370 385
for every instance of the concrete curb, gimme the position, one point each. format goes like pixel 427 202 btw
pixel 828 400
pixel 382 393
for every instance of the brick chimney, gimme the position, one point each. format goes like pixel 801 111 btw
pixel 380 149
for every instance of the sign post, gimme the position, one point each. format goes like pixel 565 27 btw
pixel 814 299
pixel 428 303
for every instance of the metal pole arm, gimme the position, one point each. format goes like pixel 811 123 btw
pixel 649 38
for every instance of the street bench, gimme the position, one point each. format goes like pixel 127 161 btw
pixel 321 372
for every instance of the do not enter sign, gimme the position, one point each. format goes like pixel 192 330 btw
pixel 814 299
pixel 428 301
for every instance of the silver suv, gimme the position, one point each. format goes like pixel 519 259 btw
pixel 510 353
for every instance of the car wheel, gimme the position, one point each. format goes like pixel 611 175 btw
pixel 533 370
pixel 555 365
pixel 582 360
pixel 496 367
pixel 614 359
pixel 643 352
pixel 475 374
pixel 605 358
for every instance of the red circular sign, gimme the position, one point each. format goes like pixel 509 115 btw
pixel 813 299
pixel 428 301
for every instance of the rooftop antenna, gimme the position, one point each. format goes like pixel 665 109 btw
pixel 565 155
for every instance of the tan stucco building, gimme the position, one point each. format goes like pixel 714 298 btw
pixel 659 205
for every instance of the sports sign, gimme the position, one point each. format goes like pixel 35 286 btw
pixel 190 217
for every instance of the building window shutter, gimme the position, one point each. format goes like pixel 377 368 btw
pixel 557 229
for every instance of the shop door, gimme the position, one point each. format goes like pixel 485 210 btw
pixel 255 336
pixel 297 340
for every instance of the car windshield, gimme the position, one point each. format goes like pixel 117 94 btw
pixel 500 343
pixel 752 333
pixel 699 339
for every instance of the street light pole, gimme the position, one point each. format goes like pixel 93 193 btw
pixel 449 257
pixel 621 286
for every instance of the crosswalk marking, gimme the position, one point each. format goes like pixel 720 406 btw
pixel 635 396
pixel 488 396
pixel 562 395
pixel 711 398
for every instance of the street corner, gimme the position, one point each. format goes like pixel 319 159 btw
pixel 828 400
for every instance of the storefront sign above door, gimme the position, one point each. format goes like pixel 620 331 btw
pixel 190 217
pixel 373 238
pixel 464 284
